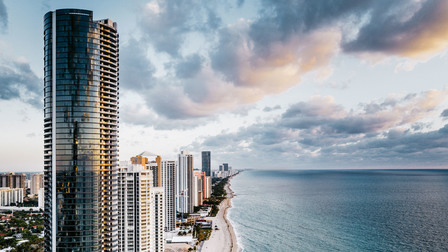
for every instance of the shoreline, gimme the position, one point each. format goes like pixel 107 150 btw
pixel 224 239
pixel 234 242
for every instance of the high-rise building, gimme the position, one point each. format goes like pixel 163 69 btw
pixel 141 210
pixel 37 182
pixel 208 187
pixel 152 162
pixel 168 169
pixel 13 180
pixel 184 183
pixel 157 240
pixel 80 132
pixel 200 188
pixel 10 196
pixel 206 162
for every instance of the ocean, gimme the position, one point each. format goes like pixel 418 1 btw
pixel 351 210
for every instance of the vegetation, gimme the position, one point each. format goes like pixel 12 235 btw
pixel 202 234
pixel 22 225
pixel 218 195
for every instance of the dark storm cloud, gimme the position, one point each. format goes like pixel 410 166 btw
pixel 18 81
pixel 3 14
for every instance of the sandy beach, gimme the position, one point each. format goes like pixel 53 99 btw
pixel 224 239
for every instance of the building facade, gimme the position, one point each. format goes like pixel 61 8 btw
pixel 10 196
pixel 206 162
pixel 13 180
pixel 37 182
pixel 168 169
pixel 80 132
pixel 184 183
pixel 140 210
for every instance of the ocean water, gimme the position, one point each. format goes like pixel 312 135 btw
pixel 355 210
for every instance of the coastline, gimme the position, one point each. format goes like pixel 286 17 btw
pixel 224 239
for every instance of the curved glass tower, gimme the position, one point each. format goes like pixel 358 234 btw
pixel 80 132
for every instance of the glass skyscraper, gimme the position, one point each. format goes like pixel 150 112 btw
pixel 206 163
pixel 80 132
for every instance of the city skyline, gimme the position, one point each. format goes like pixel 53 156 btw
pixel 259 84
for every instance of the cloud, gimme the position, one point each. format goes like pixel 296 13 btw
pixel 136 70
pixel 216 66
pixel 269 109
pixel 3 14
pixel 18 81
pixel 319 131
pixel 414 29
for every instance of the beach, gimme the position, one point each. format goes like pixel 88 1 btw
pixel 223 239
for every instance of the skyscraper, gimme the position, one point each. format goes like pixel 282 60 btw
pixel 184 183
pixel 141 220
pixel 168 171
pixel 206 164
pixel 80 132
pixel 37 182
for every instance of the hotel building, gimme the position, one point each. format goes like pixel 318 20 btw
pixel 80 132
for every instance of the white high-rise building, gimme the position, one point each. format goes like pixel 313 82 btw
pixel 9 196
pixel 208 187
pixel 37 182
pixel 184 183
pixel 157 241
pixel 168 173
pixel 140 209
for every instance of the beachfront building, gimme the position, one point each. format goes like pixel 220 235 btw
pixel 157 240
pixel 201 180
pixel 184 183
pixel 168 171
pixel 208 187
pixel 10 196
pixel 152 162
pixel 140 209
pixel 80 131
pixel 206 162
pixel 37 182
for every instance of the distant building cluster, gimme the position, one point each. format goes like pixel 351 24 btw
pixel 224 171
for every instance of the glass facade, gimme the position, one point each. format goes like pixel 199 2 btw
pixel 80 132
pixel 206 163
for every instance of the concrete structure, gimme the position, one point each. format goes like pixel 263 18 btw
pixel 150 161
pixel 201 180
pixel 140 210
pixel 13 180
pixel 208 187
pixel 37 182
pixel 80 131
pixel 157 240
pixel 168 169
pixel 41 198
pixel 10 196
pixel 184 183
pixel 206 162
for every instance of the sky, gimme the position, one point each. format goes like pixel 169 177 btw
pixel 261 84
